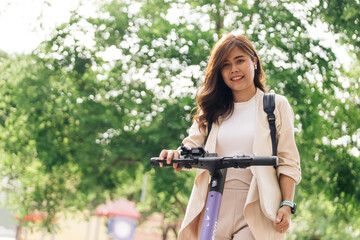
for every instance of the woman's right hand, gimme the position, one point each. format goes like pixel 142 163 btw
pixel 169 155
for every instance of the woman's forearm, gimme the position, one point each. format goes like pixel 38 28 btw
pixel 287 186
pixel 283 218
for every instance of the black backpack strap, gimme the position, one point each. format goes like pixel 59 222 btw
pixel 209 130
pixel 269 106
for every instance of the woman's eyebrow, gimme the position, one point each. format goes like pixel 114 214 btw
pixel 240 56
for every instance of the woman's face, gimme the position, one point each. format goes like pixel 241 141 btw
pixel 238 71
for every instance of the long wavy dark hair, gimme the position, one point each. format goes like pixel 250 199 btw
pixel 214 98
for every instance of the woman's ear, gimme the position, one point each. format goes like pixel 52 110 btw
pixel 255 63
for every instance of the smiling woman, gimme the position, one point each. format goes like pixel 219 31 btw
pixel 231 101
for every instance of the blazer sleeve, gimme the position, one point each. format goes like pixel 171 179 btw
pixel 289 157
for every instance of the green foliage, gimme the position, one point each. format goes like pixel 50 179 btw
pixel 343 18
pixel 327 219
pixel 79 120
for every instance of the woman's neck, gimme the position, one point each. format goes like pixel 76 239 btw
pixel 245 96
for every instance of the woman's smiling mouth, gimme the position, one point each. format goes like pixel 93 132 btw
pixel 237 78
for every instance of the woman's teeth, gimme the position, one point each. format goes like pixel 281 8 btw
pixel 237 78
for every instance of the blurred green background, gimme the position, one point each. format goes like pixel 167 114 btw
pixel 81 115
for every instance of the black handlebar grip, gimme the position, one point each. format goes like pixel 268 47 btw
pixel 266 161
pixel 155 162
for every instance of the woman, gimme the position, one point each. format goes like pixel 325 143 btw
pixel 231 97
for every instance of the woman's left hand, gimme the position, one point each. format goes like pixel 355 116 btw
pixel 282 222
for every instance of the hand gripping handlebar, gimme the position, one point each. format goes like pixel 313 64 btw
pixel 198 158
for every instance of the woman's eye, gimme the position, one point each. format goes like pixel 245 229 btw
pixel 225 65
pixel 240 60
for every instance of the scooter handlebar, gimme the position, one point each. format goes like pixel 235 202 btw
pixel 221 162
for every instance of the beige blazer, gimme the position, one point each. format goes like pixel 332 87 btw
pixel 264 196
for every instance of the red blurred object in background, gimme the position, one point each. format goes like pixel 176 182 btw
pixel 36 216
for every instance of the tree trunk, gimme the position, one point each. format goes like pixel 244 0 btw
pixel 164 228
pixel 165 231
pixel 173 227
pixel 19 230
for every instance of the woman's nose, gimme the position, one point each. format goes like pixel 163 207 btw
pixel 234 68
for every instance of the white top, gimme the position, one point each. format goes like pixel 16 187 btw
pixel 236 136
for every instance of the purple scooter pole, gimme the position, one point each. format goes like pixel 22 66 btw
pixel 213 204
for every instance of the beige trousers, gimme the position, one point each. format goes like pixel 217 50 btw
pixel 231 222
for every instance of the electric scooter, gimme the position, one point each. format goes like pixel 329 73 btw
pixel 217 166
